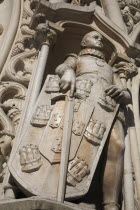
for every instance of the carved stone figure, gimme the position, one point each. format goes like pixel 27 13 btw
pixel 99 100
pixel 90 67
pixel 70 126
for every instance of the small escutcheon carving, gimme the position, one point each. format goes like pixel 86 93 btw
pixel 30 158
pixel 41 116
pixel 83 88
pixel 77 170
pixel 95 131
pixel 53 84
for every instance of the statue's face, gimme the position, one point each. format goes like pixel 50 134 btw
pixel 94 40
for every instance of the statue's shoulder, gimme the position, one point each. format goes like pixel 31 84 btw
pixel 71 55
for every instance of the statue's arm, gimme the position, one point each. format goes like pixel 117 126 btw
pixel 66 71
pixel 69 64
pixel 118 92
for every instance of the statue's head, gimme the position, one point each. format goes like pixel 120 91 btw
pixel 92 40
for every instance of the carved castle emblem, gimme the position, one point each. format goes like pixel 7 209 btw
pixel 83 88
pixel 53 84
pixel 30 158
pixel 95 131
pixel 106 102
pixel 77 170
pixel 41 116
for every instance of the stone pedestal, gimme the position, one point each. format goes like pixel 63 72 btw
pixel 35 203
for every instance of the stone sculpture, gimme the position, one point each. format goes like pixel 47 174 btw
pixel 97 91
pixel 69 104
pixel 91 69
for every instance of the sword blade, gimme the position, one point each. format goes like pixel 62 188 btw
pixel 66 140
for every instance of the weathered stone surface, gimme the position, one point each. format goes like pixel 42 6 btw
pixel 54 143
pixel 35 204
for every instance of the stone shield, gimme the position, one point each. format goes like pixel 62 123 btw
pixel 35 163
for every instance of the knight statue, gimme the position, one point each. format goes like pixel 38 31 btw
pixel 88 74
pixel 96 134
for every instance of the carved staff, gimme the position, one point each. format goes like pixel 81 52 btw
pixel 132 153
pixel 128 177
pixel 134 139
pixel 66 140
pixel 135 98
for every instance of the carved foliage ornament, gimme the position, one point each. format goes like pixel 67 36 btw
pixel 12 97
pixel 22 61
pixel 6 135
pixel 130 10
pixel 23 55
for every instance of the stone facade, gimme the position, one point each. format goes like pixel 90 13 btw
pixel 69 104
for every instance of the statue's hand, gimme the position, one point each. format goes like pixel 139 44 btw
pixel 68 81
pixel 115 92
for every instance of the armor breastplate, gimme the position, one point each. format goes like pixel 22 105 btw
pixel 96 67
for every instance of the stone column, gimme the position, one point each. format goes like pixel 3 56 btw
pixel 128 171
pixel 47 40
pixel 46 37
pixel 128 177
